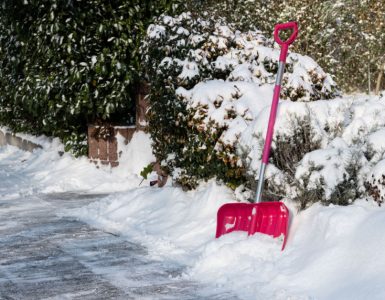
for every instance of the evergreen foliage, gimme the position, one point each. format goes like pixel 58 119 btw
pixel 345 191
pixel 347 38
pixel 64 64
pixel 205 80
pixel 183 149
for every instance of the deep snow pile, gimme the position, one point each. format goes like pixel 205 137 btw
pixel 333 252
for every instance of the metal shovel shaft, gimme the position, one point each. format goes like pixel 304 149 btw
pixel 270 128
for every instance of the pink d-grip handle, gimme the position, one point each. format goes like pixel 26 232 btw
pixel 284 26
pixel 285 44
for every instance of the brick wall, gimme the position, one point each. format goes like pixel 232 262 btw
pixel 7 138
pixel 105 149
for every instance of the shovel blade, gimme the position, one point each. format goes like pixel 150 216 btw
pixel 271 218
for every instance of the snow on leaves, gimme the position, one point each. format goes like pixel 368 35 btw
pixel 220 79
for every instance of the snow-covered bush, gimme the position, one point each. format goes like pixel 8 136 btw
pixel 68 63
pixel 331 175
pixel 208 82
pixel 375 182
pixel 340 150
pixel 347 38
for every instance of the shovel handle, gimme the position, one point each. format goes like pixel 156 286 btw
pixel 285 44
pixel 274 106
pixel 289 25
pixel 277 89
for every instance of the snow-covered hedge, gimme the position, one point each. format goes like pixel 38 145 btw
pixel 208 83
pixel 211 89
pixel 347 38
pixel 340 145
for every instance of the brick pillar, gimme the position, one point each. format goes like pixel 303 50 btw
pixel 93 144
pixel 162 176
pixel 142 105
pixel 141 124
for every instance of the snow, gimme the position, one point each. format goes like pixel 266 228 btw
pixel 156 31
pixel 348 129
pixel 328 166
pixel 190 70
pixel 376 140
pixel 135 155
pixel 53 171
pixel 333 252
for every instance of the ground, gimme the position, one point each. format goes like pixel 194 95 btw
pixel 46 255
pixel 69 230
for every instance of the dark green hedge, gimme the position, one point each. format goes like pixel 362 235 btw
pixel 66 63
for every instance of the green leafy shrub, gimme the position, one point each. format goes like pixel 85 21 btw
pixel 208 82
pixel 347 38
pixel 64 64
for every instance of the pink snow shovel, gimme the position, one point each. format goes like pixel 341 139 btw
pixel 270 218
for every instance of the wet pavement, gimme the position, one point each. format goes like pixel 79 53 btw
pixel 47 256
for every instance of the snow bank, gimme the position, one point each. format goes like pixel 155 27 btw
pixel 51 170
pixel 332 253
pixel 136 155
pixel 172 223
